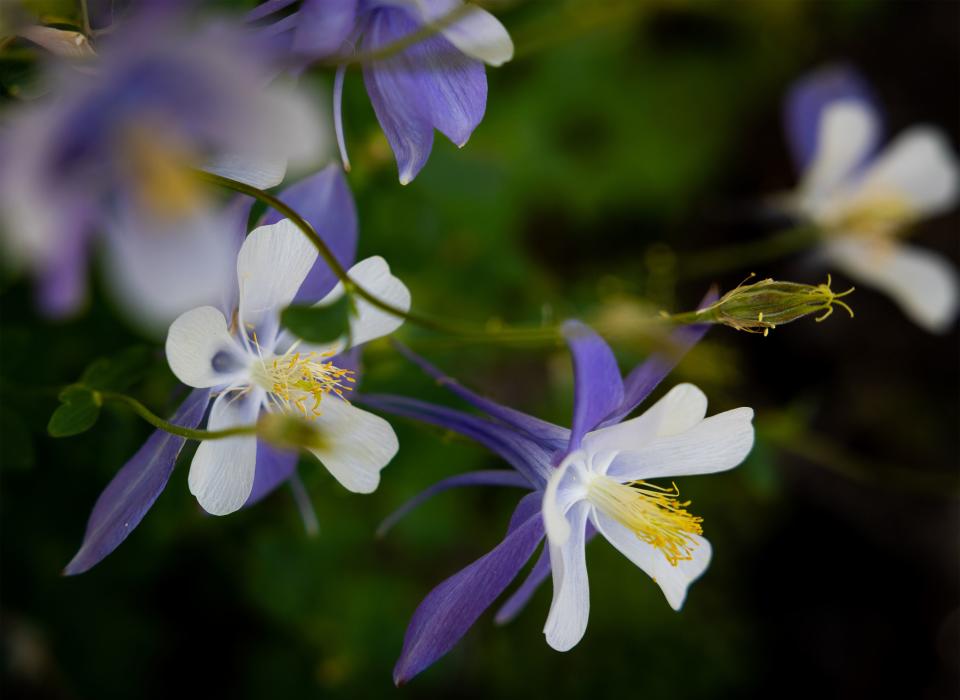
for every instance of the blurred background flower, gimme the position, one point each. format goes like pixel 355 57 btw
pixel 106 155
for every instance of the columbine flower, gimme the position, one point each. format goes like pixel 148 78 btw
pixel 591 479
pixel 110 151
pixel 274 265
pixel 253 367
pixel 438 82
pixel 862 199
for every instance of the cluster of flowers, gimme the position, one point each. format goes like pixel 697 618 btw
pixel 108 159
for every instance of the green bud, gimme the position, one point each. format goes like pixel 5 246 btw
pixel 758 307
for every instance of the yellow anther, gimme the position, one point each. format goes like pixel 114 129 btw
pixel 655 514
pixel 294 379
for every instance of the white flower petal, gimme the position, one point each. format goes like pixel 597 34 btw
pixel 160 269
pixel 922 282
pixel 200 350
pixel 222 471
pixel 715 444
pixel 356 445
pixel 558 497
pixel 272 264
pixel 680 409
pixel 570 608
pixel 673 580
pixel 370 322
pixel 920 167
pixel 847 130
pixel 475 31
pixel 262 172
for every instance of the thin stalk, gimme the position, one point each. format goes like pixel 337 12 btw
pixel 743 255
pixel 165 425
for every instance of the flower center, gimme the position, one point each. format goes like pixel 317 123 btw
pixel 880 215
pixel 297 383
pixel 655 514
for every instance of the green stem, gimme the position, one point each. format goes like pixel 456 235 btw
pixel 158 422
pixel 742 255
pixel 338 270
pixel 548 334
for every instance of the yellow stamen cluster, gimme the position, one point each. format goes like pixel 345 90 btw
pixel 298 382
pixel 880 215
pixel 160 166
pixel 655 514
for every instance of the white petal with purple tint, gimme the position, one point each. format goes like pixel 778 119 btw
pixel 195 342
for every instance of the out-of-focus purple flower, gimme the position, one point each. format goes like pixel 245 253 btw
pixel 437 82
pixel 325 201
pixel 583 481
pixel 108 153
pixel 863 197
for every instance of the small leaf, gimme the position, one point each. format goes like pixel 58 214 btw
pixel 319 324
pixel 119 372
pixel 78 412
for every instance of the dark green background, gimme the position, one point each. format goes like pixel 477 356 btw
pixel 622 134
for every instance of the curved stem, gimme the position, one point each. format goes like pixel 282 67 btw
pixel 538 334
pixel 737 257
pixel 165 425
pixel 338 269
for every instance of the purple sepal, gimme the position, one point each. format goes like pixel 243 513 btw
pixel 428 85
pixel 488 477
pixel 645 377
pixel 538 574
pixel 805 103
pixel 274 467
pixel 450 609
pixel 324 26
pixel 598 388
pixel 324 200
pixel 521 453
pixel 551 437
pixel 127 498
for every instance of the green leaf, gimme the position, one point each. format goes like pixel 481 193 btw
pixel 78 412
pixel 319 324
pixel 119 372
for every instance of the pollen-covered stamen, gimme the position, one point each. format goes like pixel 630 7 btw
pixel 655 514
pixel 297 382
pixel 879 215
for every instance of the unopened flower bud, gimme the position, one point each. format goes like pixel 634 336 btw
pixel 758 307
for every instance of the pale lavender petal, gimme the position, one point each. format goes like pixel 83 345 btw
pixel 487 477
pixel 324 26
pixel 598 387
pixel 805 103
pixel 450 609
pixel 325 201
pixel 395 93
pixel 551 437
pixel 274 467
pixel 645 377
pixel 62 287
pixel 524 455
pixel 265 9
pixel 128 497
